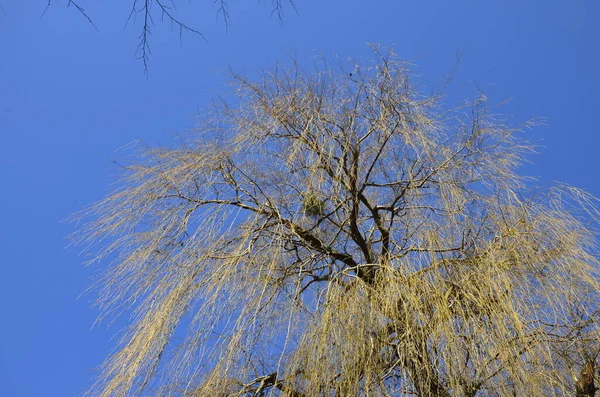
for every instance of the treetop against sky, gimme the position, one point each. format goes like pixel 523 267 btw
pixel 72 94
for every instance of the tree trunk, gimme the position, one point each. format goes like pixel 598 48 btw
pixel 584 386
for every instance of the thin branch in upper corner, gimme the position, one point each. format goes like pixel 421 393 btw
pixel 74 4
pixel 82 12
pixel 223 9
pixel 278 9
pixel 166 11
pixel 143 50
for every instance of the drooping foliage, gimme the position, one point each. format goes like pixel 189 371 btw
pixel 340 234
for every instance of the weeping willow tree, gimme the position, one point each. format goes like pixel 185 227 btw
pixel 339 234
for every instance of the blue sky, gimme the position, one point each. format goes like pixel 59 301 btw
pixel 71 95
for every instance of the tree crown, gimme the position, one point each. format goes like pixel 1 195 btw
pixel 340 234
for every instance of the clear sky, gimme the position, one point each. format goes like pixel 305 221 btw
pixel 71 95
